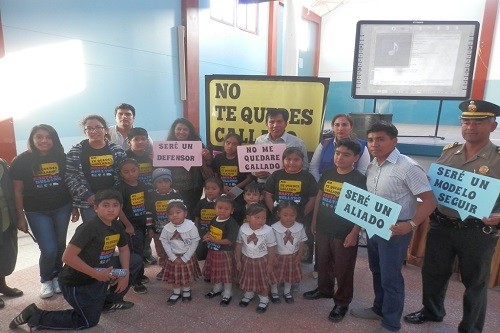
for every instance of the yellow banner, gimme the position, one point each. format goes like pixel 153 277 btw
pixel 239 104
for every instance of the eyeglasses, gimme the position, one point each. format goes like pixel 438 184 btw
pixel 93 129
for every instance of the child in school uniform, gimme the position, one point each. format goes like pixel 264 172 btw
pixel 134 212
pixel 180 238
pixel 204 212
pixel 290 238
pixel 255 257
pixel 221 240
pixel 159 199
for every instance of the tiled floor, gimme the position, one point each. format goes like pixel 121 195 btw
pixel 151 313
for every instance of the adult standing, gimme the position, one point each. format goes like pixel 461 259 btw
pixel 189 184
pixel 400 179
pixel 92 165
pixel 322 159
pixel 124 117
pixel 43 201
pixel 276 122
pixel 472 240
pixel 8 233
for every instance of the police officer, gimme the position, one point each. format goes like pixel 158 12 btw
pixel 472 240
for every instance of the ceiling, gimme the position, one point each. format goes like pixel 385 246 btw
pixel 323 7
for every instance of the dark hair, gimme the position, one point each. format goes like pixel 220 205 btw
pixel 224 198
pixel 108 194
pixel 293 150
pixel 215 180
pixel 288 204
pixel 252 187
pixel 125 106
pixel 127 160
pixel 383 126
pixel 234 135
pixel 352 145
pixel 192 132
pixel 343 115
pixel 136 131
pixel 272 112
pixel 57 147
pixel 176 204
pixel 255 208
pixel 95 117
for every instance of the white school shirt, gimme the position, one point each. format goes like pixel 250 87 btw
pixel 298 234
pixel 186 246
pixel 265 239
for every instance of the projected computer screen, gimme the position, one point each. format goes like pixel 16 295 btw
pixel 414 59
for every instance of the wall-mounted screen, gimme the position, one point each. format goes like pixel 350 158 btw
pixel 414 59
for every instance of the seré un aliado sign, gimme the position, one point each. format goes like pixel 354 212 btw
pixel 468 193
pixel 370 211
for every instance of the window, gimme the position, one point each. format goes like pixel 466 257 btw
pixel 230 12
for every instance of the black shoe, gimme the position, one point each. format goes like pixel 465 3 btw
pixel 2 303
pixel 24 316
pixel 315 294
pixel 144 279
pixel 140 289
pixel 419 317
pixel 275 298
pixel 186 296
pixel 338 313
pixel 262 307
pixel 212 294
pixel 150 260
pixel 244 302
pixel 173 298
pixel 225 301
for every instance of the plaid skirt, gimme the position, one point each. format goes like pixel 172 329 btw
pixel 287 269
pixel 219 266
pixel 182 274
pixel 254 276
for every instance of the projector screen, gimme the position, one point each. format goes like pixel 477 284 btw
pixel 414 59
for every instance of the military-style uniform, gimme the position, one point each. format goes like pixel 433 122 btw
pixel 469 240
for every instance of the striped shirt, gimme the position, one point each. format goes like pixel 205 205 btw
pixel 399 179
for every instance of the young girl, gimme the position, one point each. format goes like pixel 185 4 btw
pixel 226 165
pixel 204 212
pixel 290 237
pixel 180 238
pixel 221 239
pixel 255 252
pixel 293 184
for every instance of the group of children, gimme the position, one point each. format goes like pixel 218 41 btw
pixel 255 241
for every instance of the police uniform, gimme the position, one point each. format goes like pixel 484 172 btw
pixel 470 240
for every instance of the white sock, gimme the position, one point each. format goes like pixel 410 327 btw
pixel 227 290
pixel 249 294
pixel 217 287
pixel 177 290
pixel 274 288
pixel 186 289
pixel 288 288
pixel 263 299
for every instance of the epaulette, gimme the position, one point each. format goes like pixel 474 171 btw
pixel 450 145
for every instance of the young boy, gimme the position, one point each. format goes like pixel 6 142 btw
pixel 140 150
pixel 336 237
pixel 135 196
pixel 251 194
pixel 157 205
pixel 83 286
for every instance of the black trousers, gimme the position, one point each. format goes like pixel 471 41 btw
pixel 474 250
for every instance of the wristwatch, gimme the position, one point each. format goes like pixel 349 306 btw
pixel 413 225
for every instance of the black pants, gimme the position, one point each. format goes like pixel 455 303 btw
pixel 474 250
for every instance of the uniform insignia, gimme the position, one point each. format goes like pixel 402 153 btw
pixel 483 169
pixel 450 145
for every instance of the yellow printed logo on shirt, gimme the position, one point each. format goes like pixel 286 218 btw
pixel 215 232
pixel 332 187
pixel 161 206
pixel 111 241
pixel 228 171
pixel 48 169
pixel 207 214
pixel 145 168
pixel 137 199
pixel 290 186
pixel 103 160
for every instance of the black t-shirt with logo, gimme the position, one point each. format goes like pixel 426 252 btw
pixel 98 167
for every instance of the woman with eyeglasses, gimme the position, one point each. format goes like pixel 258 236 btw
pixel 92 165
pixel 42 200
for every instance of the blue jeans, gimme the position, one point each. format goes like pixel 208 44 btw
pixel 87 214
pixel 50 229
pixel 386 261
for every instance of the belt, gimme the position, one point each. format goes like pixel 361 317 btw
pixel 456 223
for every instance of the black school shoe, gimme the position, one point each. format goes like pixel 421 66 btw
pixel 244 302
pixel 212 294
pixel 338 313
pixel 186 296
pixel 262 307
pixel 24 316
pixel 225 301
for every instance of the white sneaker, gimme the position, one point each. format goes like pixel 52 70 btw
pixel 47 290
pixel 55 285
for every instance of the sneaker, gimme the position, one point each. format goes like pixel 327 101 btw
pixel 122 305
pixel 150 260
pixel 47 289
pixel 140 289
pixel 24 316
pixel 144 279
pixel 160 274
pixel 55 285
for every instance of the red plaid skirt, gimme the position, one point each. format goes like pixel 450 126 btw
pixel 254 276
pixel 182 274
pixel 287 269
pixel 219 266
